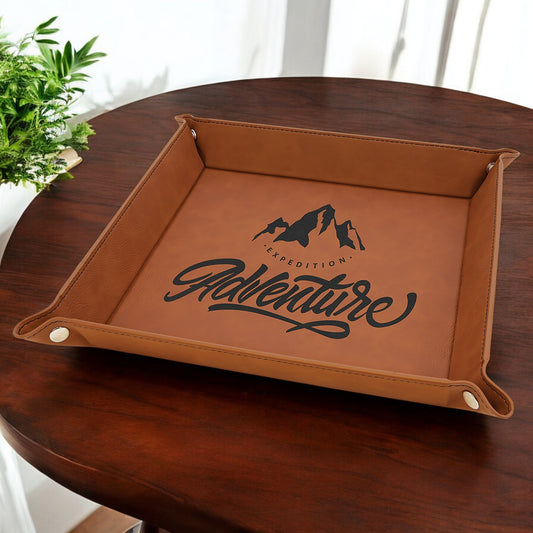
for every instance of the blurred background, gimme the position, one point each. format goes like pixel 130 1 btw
pixel 480 46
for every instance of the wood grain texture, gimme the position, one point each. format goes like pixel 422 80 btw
pixel 197 449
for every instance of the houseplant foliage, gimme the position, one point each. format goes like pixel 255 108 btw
pixel 39 82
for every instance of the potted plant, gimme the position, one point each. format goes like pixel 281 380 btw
pixel 36 94
pixel 39 83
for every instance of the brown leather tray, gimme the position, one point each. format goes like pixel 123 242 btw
pixel 359 263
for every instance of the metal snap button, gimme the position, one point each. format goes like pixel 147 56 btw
pixel 470 400
pixel 59 334
pixel 194 135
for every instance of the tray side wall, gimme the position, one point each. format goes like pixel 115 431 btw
pixel 434 391
pixel 472 339
pixel 96 286
pixel 342 158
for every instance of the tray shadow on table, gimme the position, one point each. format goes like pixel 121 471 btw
pixel 336 424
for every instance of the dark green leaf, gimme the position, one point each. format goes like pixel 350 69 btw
pixel 67 58
pixel 84 50
pixel 58 63
pixel 95 55
pixel 83 64
pixel 45 41
pixel 49 31
pixel 79 77
pixel 46 24
pixel 47 55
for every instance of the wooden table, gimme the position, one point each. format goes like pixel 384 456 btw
pixel 191 448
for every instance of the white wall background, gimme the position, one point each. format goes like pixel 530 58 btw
pixel 362 37
pixel 163 45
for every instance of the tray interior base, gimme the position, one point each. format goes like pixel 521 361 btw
pixel 366 243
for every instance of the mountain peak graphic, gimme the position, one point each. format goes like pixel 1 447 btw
pixel 299 231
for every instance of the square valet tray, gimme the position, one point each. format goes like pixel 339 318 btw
pixel 357 263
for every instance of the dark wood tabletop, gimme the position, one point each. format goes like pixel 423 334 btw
pixel 190 448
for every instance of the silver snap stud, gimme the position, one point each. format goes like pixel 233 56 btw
pixel 470 400
pixel 194 136
pixel 59 334
pixel 489 166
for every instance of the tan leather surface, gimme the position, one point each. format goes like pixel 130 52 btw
pixel 348 262
pixel 93 290
pixel 227 209
pixel 472 338
pixel 341 158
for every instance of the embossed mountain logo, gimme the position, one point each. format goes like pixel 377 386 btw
pixel 299 231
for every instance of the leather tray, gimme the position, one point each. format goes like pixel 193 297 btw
pixel 358 263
